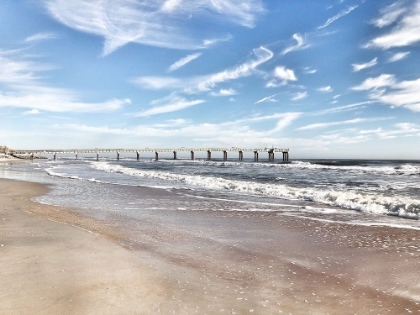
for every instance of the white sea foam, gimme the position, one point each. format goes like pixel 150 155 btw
pixel 404 169
pixel 361 201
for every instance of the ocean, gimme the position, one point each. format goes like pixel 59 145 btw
pixel 352 191
pixel 305 237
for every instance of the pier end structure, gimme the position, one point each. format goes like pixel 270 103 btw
pixel 226 151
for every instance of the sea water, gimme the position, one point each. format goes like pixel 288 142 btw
pixel 355 191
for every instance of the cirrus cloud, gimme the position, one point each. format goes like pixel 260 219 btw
pixel 338 16
pixel 154 23
pixel 406 32
pixel 360 66
pixel 387 90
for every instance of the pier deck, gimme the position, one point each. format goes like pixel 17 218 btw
pixel 97 151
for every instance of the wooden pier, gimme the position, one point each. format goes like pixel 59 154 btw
pixel 174 151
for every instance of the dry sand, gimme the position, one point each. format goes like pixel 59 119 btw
pixel 236 264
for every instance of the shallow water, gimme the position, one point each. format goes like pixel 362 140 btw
pixel 352 192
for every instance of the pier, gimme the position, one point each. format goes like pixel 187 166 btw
pixel 233 150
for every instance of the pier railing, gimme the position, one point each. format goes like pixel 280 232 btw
pixel 156 151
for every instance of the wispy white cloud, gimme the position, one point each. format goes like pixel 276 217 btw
pixel 240 131
pixel 270 98
pixel 258 118
pixel 374 83
pixel 300 96
pixel 213 41
pixel 247 68
pixel 55 100
pixel 401 129
pixel 344 136
pixel 183 61
pixel 325 89
pixel 338 109
pixel 40 37
pixel 23 88
pixel 17 70
pixel 370 131
pixel 207 82
pixel 344 122
pixel 159 83
pixel 154 23
pixel 338 16
pixel 360 66
pixel 390 14
pixel 398 56
pixel 171 103
pixel 308 70
pixel 387 90
pixel 171 5
pixel 301 43
pixel 31 112
pixel 406 32
pixel 224 92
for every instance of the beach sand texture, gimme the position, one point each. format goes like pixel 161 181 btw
pixel 55 261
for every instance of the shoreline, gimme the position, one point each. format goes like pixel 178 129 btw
pixel 48 267
pixel 198 263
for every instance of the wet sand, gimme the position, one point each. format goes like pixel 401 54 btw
pixel 57 261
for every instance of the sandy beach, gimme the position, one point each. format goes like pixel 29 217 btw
pixel 56 261
pixel 48 267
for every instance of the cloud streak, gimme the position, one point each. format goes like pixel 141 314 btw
pixel 40 37
pixel 171 103
pixel 387 90
pixel 406 32
pixel 338 16
pixel 23 88
pixel 360 66
pixel 240 131
pixel 224 92
pixel 153 23
pixel 301 43
pixel 398 56
pixel 390 14
pixel 300 96
pixel 344 122
pixel 270 98
pixel 325 89
pixel 183 61
pixel 207 83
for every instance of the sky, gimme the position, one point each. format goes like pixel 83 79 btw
pixel 326 79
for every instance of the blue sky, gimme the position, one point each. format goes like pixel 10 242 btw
pixel 327 79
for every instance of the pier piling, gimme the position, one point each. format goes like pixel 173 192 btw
pixel 271 156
